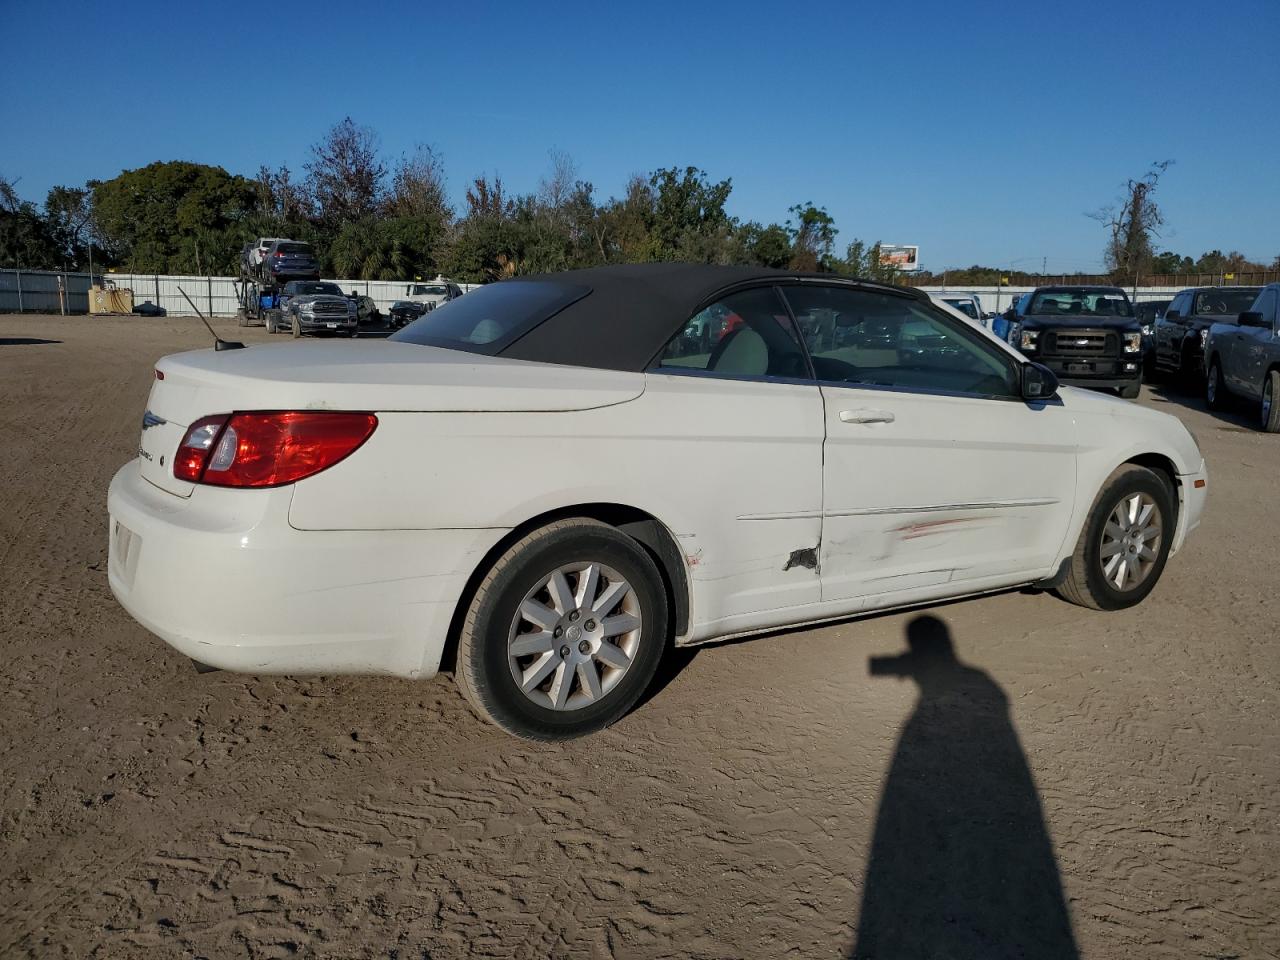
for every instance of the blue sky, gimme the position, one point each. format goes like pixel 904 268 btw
pixel 982 131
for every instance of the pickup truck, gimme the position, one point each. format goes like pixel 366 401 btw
pixel 1243 358
pixel 1088 336
pixel 967 303
pixel 420 296
pixel 1181 331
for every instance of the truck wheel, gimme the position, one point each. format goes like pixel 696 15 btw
pixel 1131 392
pixel 242 318
pixel 297 327
pixel 1270 408
pixel 1124 544
pixel 565 632
pixel 1215 393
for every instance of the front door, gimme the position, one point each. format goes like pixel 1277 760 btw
pixel 936 473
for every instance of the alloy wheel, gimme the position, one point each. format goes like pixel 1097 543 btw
pixel 1131 541
pixel 574 636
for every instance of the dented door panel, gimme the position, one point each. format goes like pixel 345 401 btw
pixel 952 489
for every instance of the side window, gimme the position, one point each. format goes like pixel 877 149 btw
pixel 1179 304
pixel 1267 304
pixel 747 334
pixel 862 337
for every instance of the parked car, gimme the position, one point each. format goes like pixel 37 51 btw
pixel 970 304
pixel 287 260
pixel 1146 312
pixel 366 309
pixel 1181 332
pixel 1086 335
pixel 254 253
pixel 404 312
pixel 566 490
pixel 1243 358
pixel 313 306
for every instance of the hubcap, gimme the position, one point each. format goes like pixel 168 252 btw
pixel 1131 541
pixel 574 636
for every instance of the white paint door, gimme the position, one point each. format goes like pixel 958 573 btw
pixel 935 471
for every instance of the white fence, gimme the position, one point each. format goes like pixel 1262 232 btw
pixel 44 291
pixel 999 300
pixel 38 291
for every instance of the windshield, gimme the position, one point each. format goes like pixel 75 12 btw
pixel 1225 303
pixel 1080 303
pixel 304 288
pixel 964 306
pixel 428 290
pixel 490 318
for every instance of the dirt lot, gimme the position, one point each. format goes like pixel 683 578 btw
pixel 152 812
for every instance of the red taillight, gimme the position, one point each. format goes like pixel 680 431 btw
pixel 278 254
pixel 268 449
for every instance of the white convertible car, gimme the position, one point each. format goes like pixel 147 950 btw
pixel 545 483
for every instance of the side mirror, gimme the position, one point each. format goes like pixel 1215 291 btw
pixel 1038 382
pixel 1171 314
pixel 1252 318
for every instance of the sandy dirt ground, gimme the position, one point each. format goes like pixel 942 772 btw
pixel 1100 785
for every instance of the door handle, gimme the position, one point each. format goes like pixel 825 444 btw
pixel 866 416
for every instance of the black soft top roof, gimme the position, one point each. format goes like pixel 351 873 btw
pixel 634 309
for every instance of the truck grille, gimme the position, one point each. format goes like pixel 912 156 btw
pixel 1083 343
pixel 329 309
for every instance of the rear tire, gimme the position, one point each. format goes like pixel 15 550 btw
pixel 297 327
pixel 575 677
pixel 242 318
pixel 1215 391
pixel 1270 407
pixel 1136 549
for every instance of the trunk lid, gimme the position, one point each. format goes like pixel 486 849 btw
pixel 377 375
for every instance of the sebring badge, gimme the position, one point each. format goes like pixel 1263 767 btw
pixel 150 420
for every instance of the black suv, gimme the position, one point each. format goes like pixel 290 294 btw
pixel 1181 332
pixel 1088 336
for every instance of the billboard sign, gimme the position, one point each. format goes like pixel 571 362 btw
pixel 900 256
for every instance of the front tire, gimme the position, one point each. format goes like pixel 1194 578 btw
pixel 1270 408
pixel 1124 544
pixel 1131 392
pixel 297 327
pixel 565 632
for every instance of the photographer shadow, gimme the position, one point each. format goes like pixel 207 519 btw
pixel 961 864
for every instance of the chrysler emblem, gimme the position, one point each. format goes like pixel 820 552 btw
pixel 150 420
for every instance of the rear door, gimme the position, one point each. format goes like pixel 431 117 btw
pixel 739 424
pixel 937 476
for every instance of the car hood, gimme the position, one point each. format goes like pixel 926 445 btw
pixel 377 375
pixel 301 298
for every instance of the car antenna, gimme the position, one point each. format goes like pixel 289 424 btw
pixel 218 342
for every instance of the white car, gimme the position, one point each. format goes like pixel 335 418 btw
pixel 967 304
pixel 543 484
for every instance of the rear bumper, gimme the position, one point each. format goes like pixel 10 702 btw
pixel 225 580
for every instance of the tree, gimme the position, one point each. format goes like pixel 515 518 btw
pixel 175 217
pixel 689 221
pixel 813 234
pixel 1133 223
pixel 69 212
pixel 345 175
pixel 26 239
pixel 763 246
pixel 418 188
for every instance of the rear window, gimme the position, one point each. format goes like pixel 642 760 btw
pixel 428 290
pixel 1080 303
pixel 307 288
pixel 489 319
pixel 1225 303
pixel 293 248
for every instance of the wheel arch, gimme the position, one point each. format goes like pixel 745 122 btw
pixel 647 530
pixel 1165 468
